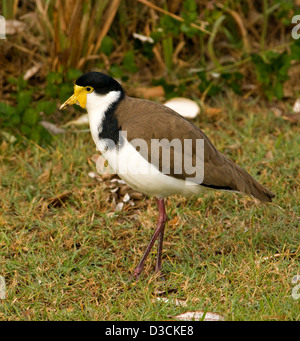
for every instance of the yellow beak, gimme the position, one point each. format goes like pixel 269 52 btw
pixel 79 97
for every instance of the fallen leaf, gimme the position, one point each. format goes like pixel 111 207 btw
pixel 293 118
pixel 136 195
pixel 296 107
pixel 14 27
pixel 2 288
pixel 125 189
pixel 131 203
pixel 269 155
pixel 248 86
pixel 175 301
pixel 8 137
pixel 119 207
pixel 119 181
pixel 215 74
pixel 276 111
pixel 198 315
pixel 174 221
pixel 153 92
pixel 114 190
pixel 52 128
pixel 4 145
pixel 212 112
pixel 143 38
pixel 94 175
pixel 126 197
pixel 32 71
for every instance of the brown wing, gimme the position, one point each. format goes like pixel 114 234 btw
pixel 154 122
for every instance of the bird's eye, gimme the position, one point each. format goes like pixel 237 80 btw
pixel 89 89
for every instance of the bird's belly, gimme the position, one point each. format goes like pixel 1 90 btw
pixel 141 175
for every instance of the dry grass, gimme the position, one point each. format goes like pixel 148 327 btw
pixel 63 22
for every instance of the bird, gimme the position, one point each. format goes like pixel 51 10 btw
pixel 156 151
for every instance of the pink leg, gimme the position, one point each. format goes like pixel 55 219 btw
pixel 159 231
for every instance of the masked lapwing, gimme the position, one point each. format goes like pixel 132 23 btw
pixel 155 150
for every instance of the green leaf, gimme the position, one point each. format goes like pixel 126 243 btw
pixel 47 107
pixel 189 14
pixel 65 91
pixel 73 74
pixel 14 120
pixel 188 30
pixel 169 25
pixel 129 62
pixel 272 71
pixel 40 135
pixel 107 45
pixel 19 82
pixel 190 6
pixel 278 89
pixel 214 90
pixel 54 77
pixel 116 71
pixel 236 88
pixel 295 50
pixel 51 90
pixel 31 117
pixel 25 130
pixel 157 36
pixel 207 84
pixel 168 88
pixel 35 134
pixel 24 100
pixel 7 110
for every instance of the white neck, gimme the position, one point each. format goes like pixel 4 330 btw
pixel 96 106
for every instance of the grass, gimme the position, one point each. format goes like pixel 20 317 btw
pixel 59 26
pixel 223 253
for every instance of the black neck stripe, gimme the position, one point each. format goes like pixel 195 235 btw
pixel 110 126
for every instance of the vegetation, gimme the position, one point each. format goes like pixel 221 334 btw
pixel 65 252
pixel 200 48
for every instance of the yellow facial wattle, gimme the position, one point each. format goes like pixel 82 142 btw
pixel 79 96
